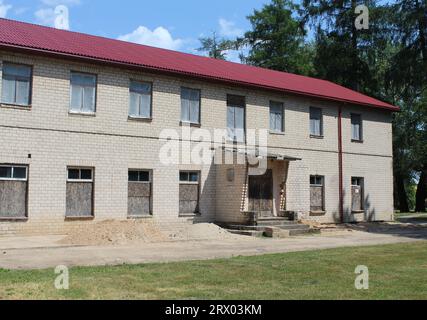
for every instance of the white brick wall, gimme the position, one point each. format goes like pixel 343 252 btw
pixel 112 144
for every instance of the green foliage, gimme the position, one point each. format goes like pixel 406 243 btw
pixel 277 39
pixel 216 47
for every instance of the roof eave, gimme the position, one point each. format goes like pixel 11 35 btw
pixel 9 46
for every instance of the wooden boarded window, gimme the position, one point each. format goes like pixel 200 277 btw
pixel 189 189
pixel 317 194
pixel 80 186
pixel 357 194
pixel 13 191
pixel 139 193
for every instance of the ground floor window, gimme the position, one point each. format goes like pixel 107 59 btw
pixel 139 193
pixel 80 192
pixel 317 193
pixel 13 191
pixel 357 194
pixel 189 190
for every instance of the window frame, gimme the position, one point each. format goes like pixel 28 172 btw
pixel 360 127
pixel 323 186
pixel 362 193
pixel 234 106
pixel 30 93
pixel 12 166
pixel 151 83
pixel 150 173
pixel 92 180
pixel 71 94
pixel 192 183
pixel 321 134
pixel 282 130
pixel 199 120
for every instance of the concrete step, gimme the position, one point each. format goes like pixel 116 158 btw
pixel 260 227
pixel 268 223
pixel 294 227
pixel 274 232
pixel 250 233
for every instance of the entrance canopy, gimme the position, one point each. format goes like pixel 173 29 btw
pixel 256 153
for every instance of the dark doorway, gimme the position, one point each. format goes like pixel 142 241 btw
pixel 261 194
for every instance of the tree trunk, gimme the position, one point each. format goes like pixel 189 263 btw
pixel 420 204
pixel 401 193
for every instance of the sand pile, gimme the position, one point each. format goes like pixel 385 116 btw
pixel 141 231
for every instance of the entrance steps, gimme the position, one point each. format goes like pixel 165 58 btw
pixel 272 227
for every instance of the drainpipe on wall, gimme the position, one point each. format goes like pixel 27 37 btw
pixel 340 165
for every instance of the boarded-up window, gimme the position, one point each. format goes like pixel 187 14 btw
pixel 139 193
pixel 236 118
pixel 356 127
pixel 316 122
pixel 189 189
pixel 80 192
pixel 16 84
pixel 13 191
pixel 317 193
pixel 357 194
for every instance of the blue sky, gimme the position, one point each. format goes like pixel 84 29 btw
pixel 171 24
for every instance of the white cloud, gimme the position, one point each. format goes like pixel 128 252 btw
pixel 229 29
pixel 4 8
pixel 159 37
pixel 56 17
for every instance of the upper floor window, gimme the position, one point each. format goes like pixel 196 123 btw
pixel 16 84
pixel 356 127
pixel 140 99
pixel 190 105
pixel 276 116
pixel 316 122
pixel 83 92
pixel 236 118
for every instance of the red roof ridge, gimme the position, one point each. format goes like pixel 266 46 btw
pixel 36 37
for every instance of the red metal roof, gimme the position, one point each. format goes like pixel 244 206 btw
pixel 15 34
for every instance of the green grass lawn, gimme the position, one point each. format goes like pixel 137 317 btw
pixel 396 272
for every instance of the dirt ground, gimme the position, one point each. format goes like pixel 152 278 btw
pixel 141 231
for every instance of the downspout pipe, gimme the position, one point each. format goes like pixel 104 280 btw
pixel 340 165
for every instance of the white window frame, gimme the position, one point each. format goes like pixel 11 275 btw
pixel 188 181
pixel 316 184
pixel 12 171
pixel 150 179
pixel 139 93
pixel 70 110
pixel 360 127
pixel 80 174
pixel 282 130
pixel 189 109
pixel 30 84
pixel 321 133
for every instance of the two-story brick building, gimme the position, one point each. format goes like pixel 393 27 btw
pixel 82 122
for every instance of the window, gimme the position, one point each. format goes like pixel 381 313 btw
pixel 80 187
pixel 13 191
pixel 139 193
pixel 189 192
pixel 356 127
pixel 140 99
pixel 190 105
pixel 316 122
pixel 83 92
pixel 276 116
pixel 357 190
pixel 317 196
pixel 236 118
pixel 16 84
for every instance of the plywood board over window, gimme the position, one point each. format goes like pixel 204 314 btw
pixel 80 190
pixel 317 194
pixel 13 191
pixel 139 193
pixel 189 191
